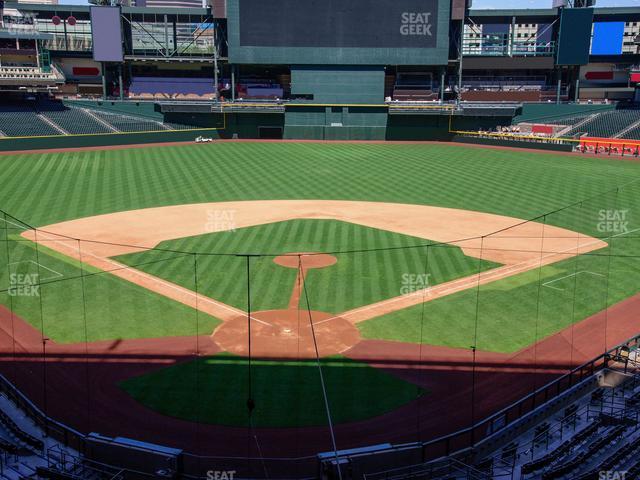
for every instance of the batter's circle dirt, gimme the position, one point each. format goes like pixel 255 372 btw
pixel 307 260
pixel 287 334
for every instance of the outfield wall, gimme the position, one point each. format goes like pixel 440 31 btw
pixel 312 122
pixel 500 142
pixel 100 140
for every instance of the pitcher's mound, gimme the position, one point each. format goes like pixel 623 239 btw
pixel 307 260
pixel 287 334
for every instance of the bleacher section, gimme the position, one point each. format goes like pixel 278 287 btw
pixel 46 117
pixel 73 120
pixel 26 452
pixel 22 121
pixel 599 436
pixel 126 123
pixel 609 124
pixel 178 88
pixel 634 133
pixel 568 120
pixel 623 123
pixel 590 429
pixel 18 75
pixel 598 433
pixel 522 89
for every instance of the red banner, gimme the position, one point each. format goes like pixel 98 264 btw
pixel 613 146
pixel 599 75
pixel 546 129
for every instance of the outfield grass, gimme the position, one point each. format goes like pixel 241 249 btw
pixel 356 279
pixel 72 303
pixel 287 394
pixel 45 187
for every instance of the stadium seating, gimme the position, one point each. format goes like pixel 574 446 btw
pixel 634 133
pixel 127 123
pixel 605 438
pixel 18 435
pixel 594 429
pixel 47 117
pixel 568 120
pixel 619 123
pixel 30 74
pixel 608 124
pixel 22 121
pixel 168 87
pixel 75 121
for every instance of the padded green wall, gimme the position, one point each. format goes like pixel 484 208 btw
pixel 80 141
pixel 339 84
pixel 335 123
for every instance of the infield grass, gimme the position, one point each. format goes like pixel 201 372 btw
pixel 356 279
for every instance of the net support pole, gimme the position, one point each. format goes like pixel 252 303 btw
pixel 322 384
pixel 459 95
pixel 233 83
pixel 104 81
pixel 474 348
pixel 120 86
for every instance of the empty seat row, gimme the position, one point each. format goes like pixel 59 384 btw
pixel 634 133
pixel 75 121
pixel 126 123
pixel 563 450
pixel 608 124
pixel 20 434
pixel 23 123
pixel 566 120
pixel 558 471
pixel 42 118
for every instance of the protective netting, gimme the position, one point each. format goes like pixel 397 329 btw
pixel 255 348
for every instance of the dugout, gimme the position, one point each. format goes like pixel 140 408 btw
pixel 141 459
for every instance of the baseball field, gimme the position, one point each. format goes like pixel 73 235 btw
pixel 202 295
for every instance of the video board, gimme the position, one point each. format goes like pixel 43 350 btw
pixel 339 32
pixel 106 33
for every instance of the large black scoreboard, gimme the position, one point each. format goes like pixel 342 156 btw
pixel 350 32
